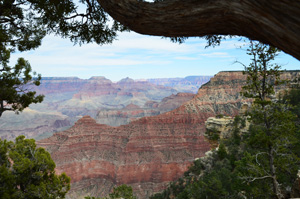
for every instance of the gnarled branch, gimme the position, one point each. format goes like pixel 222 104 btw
pixel 275 22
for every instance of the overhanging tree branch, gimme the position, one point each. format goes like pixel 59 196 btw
pixel 275 22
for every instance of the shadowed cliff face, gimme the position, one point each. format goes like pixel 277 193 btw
pixel 147 153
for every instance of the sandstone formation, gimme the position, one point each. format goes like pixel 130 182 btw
pixel 220 125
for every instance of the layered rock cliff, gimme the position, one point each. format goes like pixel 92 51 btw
pixel 147 153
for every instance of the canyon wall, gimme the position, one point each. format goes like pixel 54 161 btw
pixel 146 153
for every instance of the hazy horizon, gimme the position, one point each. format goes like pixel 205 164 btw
pixel 139 79
pixel 140 57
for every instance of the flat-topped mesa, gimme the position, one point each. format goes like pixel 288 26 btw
pixel 85 120
pixel 50 85
pixel 68 98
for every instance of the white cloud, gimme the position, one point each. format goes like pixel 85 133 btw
pixel 186 58
pixel 129 49
pixel 133 55
pixel 150 43
pixel 216 55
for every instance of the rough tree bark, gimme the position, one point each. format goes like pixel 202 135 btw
pixel 275 22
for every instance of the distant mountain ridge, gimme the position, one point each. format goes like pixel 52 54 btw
pixel 69 98
pixel 182 84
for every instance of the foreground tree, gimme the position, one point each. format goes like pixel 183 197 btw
pixel 24 23
pixel 16 83
pixel 27 172
pixel 270 163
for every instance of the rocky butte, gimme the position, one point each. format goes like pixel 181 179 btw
pixel 149 152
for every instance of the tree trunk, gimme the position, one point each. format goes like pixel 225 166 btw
pixel 275 22
pixel 276 188
pixel 1 107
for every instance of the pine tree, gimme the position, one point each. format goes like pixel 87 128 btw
pixel 27 172
pixel 270 164
pixel 16 86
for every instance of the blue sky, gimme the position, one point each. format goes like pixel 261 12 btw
pixel 139 57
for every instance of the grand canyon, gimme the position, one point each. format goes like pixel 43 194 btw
pixel 146 153
pixel 235 134
pixel 151 145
